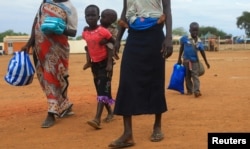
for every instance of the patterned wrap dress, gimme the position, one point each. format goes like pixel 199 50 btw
pixel 51 55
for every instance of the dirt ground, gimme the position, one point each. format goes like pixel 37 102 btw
pixel 223 107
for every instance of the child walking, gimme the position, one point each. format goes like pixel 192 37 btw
pixel 108 18
pixel 94 34
pixel 189 48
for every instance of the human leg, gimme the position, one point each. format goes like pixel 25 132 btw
pixel 96 122
pixel 55 93
pixel 126 139
pixel 109 66
pixel 196 80
pixel 157 134
pixel 110 115
pixel 103 88
pixel 188 81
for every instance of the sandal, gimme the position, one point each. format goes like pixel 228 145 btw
pixel 197 94
pixel 67 112
pixel 120 144
pixel 108 119
pixel 156 136
pixel 94 124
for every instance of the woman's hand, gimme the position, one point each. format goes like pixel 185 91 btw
pixel 167 48
pixel 25 48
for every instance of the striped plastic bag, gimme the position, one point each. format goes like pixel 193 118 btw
pixel 20 70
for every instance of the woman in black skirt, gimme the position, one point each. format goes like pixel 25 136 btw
pixel 142 78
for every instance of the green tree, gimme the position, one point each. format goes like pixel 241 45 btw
pixel 179 31
pixel 243 22
pixel 10 33
pixel 78 37
pixel 213 30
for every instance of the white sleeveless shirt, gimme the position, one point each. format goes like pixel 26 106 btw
pixel 143 8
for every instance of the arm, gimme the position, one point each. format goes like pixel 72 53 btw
pixel 180 54
pixel 121 30
pixel 72 21
pixel 205 58
pixel 69 32
pixel 31 41
pixel 167 46
pixel 105 41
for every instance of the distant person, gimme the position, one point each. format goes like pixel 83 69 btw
pixel 51 56
pixel 93 34
pixel 142 76
pixel 189 51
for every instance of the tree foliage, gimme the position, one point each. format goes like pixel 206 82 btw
pixel 203 31
pixel 10 33
pixel 213 30
pixel 179 31
pixel 243 22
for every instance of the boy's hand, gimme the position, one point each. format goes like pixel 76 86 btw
pixel 103 42
pixel 85 28
pixel 179 62
pixel 117 46
pixel 208 66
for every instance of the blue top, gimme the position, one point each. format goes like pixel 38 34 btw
pixel 189 53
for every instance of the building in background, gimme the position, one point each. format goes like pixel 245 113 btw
pixel 12 44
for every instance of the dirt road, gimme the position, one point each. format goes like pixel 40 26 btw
pixel 223 107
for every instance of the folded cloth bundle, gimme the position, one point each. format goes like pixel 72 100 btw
pixel 20 70
pixel 53 25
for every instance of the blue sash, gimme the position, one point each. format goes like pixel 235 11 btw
pixel 143 23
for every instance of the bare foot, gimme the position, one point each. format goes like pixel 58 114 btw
pixel 49 121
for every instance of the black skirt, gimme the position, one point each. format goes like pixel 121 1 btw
pixel 142 76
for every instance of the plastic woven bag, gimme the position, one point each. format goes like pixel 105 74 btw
pixel 201 69
pixel 53 25
pixel 20 70
pixel 177 78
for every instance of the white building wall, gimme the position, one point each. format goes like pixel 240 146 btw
pixel 77 46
